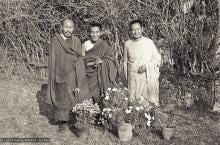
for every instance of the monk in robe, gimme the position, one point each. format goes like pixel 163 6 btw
pixel 100 64
pixel 141 66
pixel 67 77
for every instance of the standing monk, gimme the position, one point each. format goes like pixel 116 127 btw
pixel 67 76
pixel 141 64
pixel 100 63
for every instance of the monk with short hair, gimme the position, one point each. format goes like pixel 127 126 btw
pixel 67 77
pixel 141 65
pixel 100 63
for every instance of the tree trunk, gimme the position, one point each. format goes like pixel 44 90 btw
pixel 216 107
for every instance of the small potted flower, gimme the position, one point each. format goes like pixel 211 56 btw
pixel 119 112
pixel 85 114
pixel 139 116
pixel 165 120
pixel 113 105
pixel 169 126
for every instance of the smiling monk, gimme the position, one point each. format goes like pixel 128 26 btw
pixel 100 63
pixel 141 65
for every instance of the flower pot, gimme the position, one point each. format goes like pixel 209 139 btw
pixel 218 127
pixel 168 133
pixel 83 132
pixel 125 132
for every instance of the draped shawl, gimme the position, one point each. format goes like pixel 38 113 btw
pixel 100 77
pixel 66 73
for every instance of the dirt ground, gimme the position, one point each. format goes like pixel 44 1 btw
pixel 19 117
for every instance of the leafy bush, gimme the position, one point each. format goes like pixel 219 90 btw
pixel 185 36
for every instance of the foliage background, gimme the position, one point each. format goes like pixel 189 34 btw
pixel 185 38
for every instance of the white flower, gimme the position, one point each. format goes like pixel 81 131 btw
pixel 147 115
pixel 137 108
pixel 148 123
pixel 141 108
pixel 125 88
pixel 110 115
pixel 130 107
pixel 152 118
pixel 126 98
pixel 97 106
pixel 106 97
pixel 77 90
pixel 109 89
pixel 107 109
pixel 107 94
pixel 127 111
pixel 141 98
pixel 114 89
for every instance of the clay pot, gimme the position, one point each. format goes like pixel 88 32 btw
pixel 125 132
pixel 83 132
pixel 168 133
pixel 218 127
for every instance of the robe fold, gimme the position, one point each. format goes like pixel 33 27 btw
pixel 139 53
pixel 66 74
pixel 100 78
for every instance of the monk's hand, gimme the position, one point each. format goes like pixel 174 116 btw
pixel 99 61
pixel 142 69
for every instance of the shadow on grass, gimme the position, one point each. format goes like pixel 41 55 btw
pixel 45 107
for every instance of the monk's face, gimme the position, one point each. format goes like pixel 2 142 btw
pixel 95 33
pixel 136 30
pixel 68 28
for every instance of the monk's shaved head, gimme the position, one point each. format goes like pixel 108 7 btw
pixel 68 27
pixel 65 21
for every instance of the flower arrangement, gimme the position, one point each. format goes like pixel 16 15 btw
pixel 117 108
pixel 165 116
pixel 139 115
pixel 85 113
pixel 112 104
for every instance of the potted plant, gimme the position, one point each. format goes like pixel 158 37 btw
pixel 168 130
pixel 165 120
pixel 139 116
pixel 113 105
pixel 118 112
pixel 85 114
pixel 125 131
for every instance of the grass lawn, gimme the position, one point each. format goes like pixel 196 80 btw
pixel 19 117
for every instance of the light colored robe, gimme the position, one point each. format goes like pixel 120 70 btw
pixel 138 53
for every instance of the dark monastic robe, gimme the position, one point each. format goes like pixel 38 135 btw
pixel 66 73
pixel 101 77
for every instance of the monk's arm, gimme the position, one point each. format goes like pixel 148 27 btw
pixel 108 54
pixel 125 61
pixel 79 45
pixel 109 61
pixel 51 67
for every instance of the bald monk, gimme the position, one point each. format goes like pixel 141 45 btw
pixel 100 63
pixel 67 78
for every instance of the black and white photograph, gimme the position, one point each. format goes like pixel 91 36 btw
pixel 110 72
